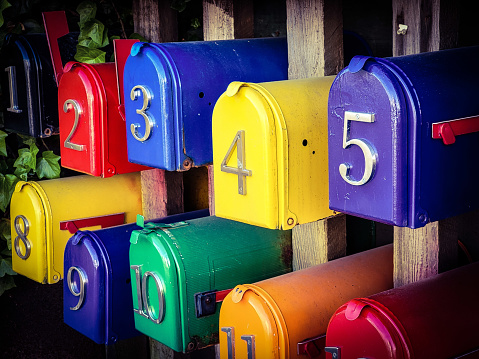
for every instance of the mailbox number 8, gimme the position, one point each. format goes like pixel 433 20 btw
pixel 134 94
pixel 369 152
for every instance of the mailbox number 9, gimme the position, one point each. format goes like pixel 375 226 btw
pixel 145 309
pixel 369 152
pixel 78 111
pixel 78 290
pixel 134 94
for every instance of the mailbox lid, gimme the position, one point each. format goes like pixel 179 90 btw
pixel 82 107
pixel 368 123
pixel 36 114
pixel 30 207
pixel 246 131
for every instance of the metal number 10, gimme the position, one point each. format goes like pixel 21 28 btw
pixel 241 171
pixel 369 152
pixel 134 94
pixel 145 309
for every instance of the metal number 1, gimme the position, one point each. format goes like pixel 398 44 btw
pixel 241 171
pixel 369 152
pixel 144 307
pixel 134 94
pixel 12 82
pixel 78 112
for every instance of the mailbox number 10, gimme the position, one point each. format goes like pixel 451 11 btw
pixel 369 152
pixel 144 307
pixel 241 171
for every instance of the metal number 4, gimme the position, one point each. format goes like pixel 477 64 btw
pixel 78 111
pixel 241 171
pixel 134 94
pixel 145 309
pixel 369 152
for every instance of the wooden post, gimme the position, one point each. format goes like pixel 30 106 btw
pixel 315 48
pixel 225 20
pixel 423 252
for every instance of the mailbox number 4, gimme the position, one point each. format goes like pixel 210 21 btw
pixel 369 152
pixel 241 171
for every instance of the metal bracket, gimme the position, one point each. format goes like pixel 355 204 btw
pixel 205 302
pixel 312 347
pixel 448 130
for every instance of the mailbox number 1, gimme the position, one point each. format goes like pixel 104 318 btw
pixel 369 152
pixel 77 110
pixel 134 94
pixel 230 343
pixel 144 306
pixel 241 171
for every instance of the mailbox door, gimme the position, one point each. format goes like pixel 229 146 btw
pixel 261 336
pixel 86 287
pixel 247 165
pixel 149 107
pixel 158 287
pixel 82 108
pixel 368 147
pixel 29 221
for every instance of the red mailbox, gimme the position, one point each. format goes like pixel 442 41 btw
pixel 434 318
pixel 92 130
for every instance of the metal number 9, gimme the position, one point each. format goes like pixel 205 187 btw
pixel 77 290
pixel 369 152
pixel 134 94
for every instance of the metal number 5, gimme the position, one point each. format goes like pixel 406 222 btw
pixel 369 152
pixel 78 112
pixel 134 94
pixel 77 290
pixel 241 171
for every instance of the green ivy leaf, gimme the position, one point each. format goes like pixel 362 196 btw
pixel 28 140
pixel 87 12
pixel 3 5
pixel 48 166
pixel 27 159
pixel 3 146
pixel 89 56
pixel 7 186
pixel 137 36
pixel 5 232
pixel 6 267
pixel 195 23
pixel 93 35
pixel 179 5
pixel 6 283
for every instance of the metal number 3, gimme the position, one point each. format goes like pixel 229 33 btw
pixel 144 307
pixel 134 94
pixel 78 112
pixel 241 171
pixel 77 290
pixel 369 152
pixel 22 236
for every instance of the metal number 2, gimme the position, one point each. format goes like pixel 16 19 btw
pixel 78 112
pixel 77 292
pixel 369 152
pixel 12 81
pixel 144 307
pixel 134 94
pixel 241 171
pixel 22 236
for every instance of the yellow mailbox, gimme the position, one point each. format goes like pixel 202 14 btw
pixel 45 214
pixel 270 152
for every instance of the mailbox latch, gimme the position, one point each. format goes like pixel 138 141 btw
pixel 312 347
pixel 205 302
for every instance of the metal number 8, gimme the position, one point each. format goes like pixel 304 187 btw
pixel 77 292
pixel 22 236
pixel 134 94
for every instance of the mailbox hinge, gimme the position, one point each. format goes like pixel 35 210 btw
pixel 205 302
pixel 312 347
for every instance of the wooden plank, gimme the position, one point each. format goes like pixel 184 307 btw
pixel 225 20
pixel 315 48
pixel 420 253
pixel 156 21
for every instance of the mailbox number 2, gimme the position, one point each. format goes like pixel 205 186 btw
pixel 369 152
pixel 241 171
pixel 77 111
pixel 134 94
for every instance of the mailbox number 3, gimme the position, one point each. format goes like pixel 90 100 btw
pixel 134 94
pixel 241 171
pixel 369 152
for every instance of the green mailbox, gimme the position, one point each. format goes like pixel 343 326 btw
pixel 180 273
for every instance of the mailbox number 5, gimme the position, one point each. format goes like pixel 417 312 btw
pixel 134 94
pixel 241 171
pixel 369 152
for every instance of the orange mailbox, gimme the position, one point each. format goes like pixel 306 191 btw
pixel 287 316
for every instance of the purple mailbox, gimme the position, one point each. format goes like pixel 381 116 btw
pixel 402 131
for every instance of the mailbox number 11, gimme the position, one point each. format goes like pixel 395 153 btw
pixel 241 171
pixel 369 152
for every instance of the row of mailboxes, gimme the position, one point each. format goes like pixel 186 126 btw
pixel 97 298
pixel 45 214
pixel 433 318
pixel 287 316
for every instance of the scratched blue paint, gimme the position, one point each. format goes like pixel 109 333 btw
pixel 185 80
pixel 106 314
pixel 417 179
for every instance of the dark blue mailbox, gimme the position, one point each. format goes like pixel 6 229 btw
pixel 402 133
pixel 28 82
pixel 171 88
pixel 97 299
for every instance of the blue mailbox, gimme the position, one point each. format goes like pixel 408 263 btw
pixel 402 132
pixel 171 88
pixel 97 299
